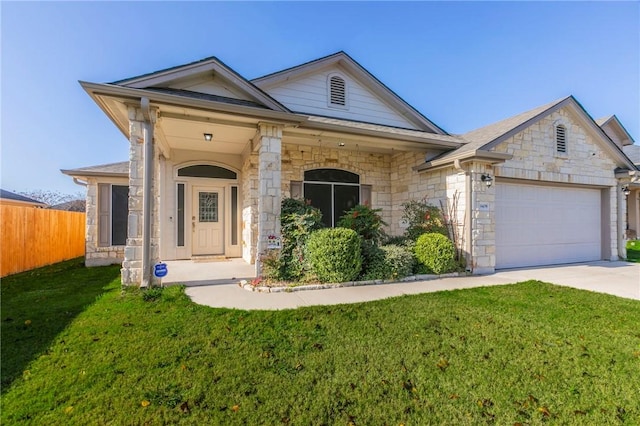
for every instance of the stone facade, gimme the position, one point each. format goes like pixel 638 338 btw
pixel 373 169
pixel 95 255
pixel 270 184
pixel 132 265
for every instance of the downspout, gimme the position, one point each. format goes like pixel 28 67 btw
pixel 79 182
pixel 621 198
pixel 147 193
pixel 469 202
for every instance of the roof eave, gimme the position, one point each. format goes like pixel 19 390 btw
pixel 82 174
pixel 477 155
pixel 426 139
pixel 96 90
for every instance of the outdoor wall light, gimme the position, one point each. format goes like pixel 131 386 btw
pixel 488 180
pixel 208 137
pixel 625 190
pixel 340 144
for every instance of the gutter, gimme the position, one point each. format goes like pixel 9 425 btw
pixel 453 159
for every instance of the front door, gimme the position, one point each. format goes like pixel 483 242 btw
pixel 207 221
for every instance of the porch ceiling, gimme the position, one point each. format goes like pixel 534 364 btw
pixel 188 134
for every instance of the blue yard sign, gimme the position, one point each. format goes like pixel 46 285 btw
pixel 160 270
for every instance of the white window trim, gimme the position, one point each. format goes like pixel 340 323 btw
pixel 346 91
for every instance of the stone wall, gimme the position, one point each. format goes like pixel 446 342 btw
pixel 132 265
pixel 373 168
pixel 94 254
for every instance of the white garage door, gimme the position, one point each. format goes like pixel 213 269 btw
pixel 546 225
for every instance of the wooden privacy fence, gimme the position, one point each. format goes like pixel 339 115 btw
pixel 30 237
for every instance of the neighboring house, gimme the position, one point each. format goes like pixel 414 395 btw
pixel 212 155
pixel 13 199
pixel 70 206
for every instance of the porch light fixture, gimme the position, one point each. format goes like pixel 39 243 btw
pixel 625 190
pixel 488 180
pixel 208 137
pixel 340 143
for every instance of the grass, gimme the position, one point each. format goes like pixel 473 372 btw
pixel 633 251
pixel 529 353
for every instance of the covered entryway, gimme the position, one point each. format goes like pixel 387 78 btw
pixel 547 225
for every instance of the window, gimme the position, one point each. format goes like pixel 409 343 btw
pixel 337 91
pixel 332 191
pixel 206 171
pixel 180 215
pixel 113 212
pixel 561 139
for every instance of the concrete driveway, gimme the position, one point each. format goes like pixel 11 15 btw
pixel 617 278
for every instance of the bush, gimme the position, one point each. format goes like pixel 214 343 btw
pixel 399 260
pixel 388 262
pixel 436 252
pixel 297 221
pixel 374 266
pixel 422 218
pixel 334 254
pixel 365 221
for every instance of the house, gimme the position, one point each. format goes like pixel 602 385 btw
pixel 212 155
pixel 8 198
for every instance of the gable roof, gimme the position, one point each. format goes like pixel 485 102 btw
pixel 613 119
pixel 8 195
pixel 481 140
pixel 120 169
pixel 207 65
pixel 361 74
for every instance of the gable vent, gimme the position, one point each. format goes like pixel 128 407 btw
pixel 337 91
pixel 561 139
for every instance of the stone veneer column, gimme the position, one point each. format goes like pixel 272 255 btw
pixel 131 271
pixel 483 221
pixel 270 192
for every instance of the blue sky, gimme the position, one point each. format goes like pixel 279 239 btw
pixel 462 64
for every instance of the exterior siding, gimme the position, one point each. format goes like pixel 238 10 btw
pixel 309 95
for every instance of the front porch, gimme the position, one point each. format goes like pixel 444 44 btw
pixel 193 273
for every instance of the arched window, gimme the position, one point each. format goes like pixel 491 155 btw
pixel 337 91
pixel 207 171
pixel 332 191
pixel 561 139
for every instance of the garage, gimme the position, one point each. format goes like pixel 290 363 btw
pixel 546 225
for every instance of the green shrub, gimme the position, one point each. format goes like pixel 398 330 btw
pixel 398 240
pixel 297 221
pixel 365 221
pixel 388 262
pixel 272 263
pixel 399 260
pixel 422 218
pixel 334 254
pixel 436 252
pixel 374 266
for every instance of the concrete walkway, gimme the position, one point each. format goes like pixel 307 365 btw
pixel 617 278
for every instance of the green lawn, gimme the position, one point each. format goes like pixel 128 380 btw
pixel 529 353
